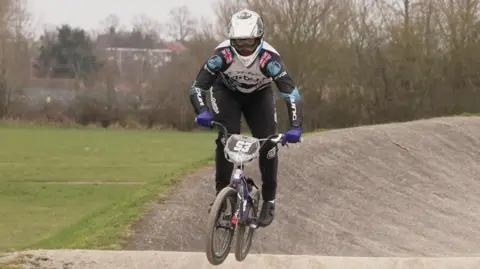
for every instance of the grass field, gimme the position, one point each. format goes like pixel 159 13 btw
pixel 80 188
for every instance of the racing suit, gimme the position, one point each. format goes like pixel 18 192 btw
pixel 238 89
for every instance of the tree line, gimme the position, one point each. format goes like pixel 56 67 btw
pixel 356 61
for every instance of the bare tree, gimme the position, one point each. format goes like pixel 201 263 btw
pixel 355 61
pixel 14 51
pixel 147 26
pixel 112 21
pixel 204 29
pixel 224 10
pixel 181 23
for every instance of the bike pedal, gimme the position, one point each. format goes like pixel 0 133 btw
pixel 251 182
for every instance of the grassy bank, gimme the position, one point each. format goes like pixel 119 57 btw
pixel 81 188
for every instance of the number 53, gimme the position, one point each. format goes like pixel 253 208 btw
pixel 242 146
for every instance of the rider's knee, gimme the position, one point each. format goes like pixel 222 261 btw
pixel 269 153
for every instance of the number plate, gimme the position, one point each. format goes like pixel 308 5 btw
pixel 242 144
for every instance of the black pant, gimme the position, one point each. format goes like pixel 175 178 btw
pixel 259 111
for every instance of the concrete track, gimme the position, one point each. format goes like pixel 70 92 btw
pixel 402 191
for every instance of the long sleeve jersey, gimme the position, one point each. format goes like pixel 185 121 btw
pixel 267 67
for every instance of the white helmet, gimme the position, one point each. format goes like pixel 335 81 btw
pixel 245 32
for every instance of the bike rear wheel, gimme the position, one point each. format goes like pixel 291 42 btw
pixel 225 197
pixel 242 244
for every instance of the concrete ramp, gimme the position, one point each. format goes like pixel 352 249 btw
pixel 84 259
pixel 400 189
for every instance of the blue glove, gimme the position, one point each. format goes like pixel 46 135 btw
pixel 292 136
pixel 204 119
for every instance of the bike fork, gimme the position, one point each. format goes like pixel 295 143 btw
pixel 253 222
pixel 247 205
pixel 240 183
pixel 238 216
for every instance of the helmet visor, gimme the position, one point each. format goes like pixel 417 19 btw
pixel 245 47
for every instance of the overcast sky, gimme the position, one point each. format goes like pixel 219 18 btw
pixel 89 13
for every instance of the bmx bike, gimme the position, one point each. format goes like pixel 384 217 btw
pixel 239 196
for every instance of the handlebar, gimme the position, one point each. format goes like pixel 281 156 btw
pixel 222 127
pixel 275 138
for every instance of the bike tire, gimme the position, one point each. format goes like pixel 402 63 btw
pixel 223 195
pixel 241 252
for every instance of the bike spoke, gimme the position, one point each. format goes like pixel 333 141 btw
pixel 224 227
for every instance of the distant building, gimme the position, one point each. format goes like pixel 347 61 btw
pixel 136 51
pixel 136 56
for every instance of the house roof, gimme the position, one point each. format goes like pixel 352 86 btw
pixel 176 46
pixel 114 40
pixel 118 41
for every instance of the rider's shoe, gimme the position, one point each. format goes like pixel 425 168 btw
pixel 267 213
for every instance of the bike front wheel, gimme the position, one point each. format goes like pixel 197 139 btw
pixel 243 238
pixel 225 199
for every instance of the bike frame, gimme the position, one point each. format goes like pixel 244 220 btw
pixel 238 181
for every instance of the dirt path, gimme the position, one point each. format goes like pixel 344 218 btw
pixel 408 189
